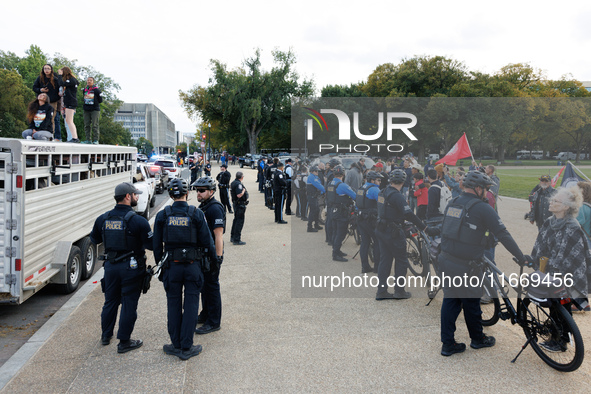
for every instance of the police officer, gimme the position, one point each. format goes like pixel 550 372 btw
pixel 126 237
pixel 207 168
pixel 367 203
pixel 260 174
pixel 193 169
pixel 181 232
pixel 466 223
pixel 341 198
pixel 224 178
pixel 279 188
pixel 289 175
pixel 269 176
pixel 314 189
pixel 393 210
pixel 215 214
pixel 240 201
pixel 328 177
pixel 299 184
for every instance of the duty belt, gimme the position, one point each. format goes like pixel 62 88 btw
pixel 223 185
pixel 185 255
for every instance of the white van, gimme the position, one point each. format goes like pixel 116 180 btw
pixel 565 156
pixel 537 154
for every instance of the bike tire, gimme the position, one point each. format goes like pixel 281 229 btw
pixel 490 312
pixel 415 253
pixel 554 323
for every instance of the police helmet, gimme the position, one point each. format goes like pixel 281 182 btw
pixel 205 182
pixel 475 179
pixel 397 176
pixel 373 175
pixel 178 187
pixel 334 162
pixel 338 171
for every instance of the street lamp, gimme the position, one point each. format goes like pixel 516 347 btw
pixel 208 140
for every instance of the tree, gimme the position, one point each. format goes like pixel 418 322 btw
pixel 144 145
pixel 248 100
pixel 14 99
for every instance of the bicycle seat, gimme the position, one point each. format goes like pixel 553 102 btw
pixel 543 287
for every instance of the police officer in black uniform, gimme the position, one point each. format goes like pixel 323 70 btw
pixel 279 188
pixel 393 210
pixel 341 206
pixel 224 178
pixel 367 203
pixel 126 236
pixel 328 177
pixel 289 176
pixel 215 214
pixel 269 176
pixel 187 242
pixel 207 168
pixel 240 201
pixel 467 220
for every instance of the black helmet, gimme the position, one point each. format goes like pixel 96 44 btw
pixel 397 176
pixel 372 175
pixel 476 178
pixel 206 182
pixel 334 162
pixel 338 171
pixel 178 187
pixel 314 168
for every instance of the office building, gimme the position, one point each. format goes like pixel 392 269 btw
pixel 146 120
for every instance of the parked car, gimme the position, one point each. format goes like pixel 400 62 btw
pixel 565 156
pixel 169 166
pixel 141 157
pixel 248 160
pixel 160 177
pixel 147 185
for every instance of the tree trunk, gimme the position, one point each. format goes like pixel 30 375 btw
pixel 502 153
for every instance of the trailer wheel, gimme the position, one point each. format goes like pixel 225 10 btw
pixel 73 270
pixel 88 250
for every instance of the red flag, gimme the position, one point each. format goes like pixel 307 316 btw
pixel 460 150
pixel 555 179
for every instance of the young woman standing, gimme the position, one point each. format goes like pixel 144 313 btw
pixel 70 84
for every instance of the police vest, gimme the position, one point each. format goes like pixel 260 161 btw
pixel 285 171
pixel 342 199
pixel 456 225
pixel 208 205
pixel 115 233
pixel 331 193
pixel 180 235
pixel 364 203
pixel 386 212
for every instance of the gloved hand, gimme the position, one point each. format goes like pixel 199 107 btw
pixel 526 261
pixel 432 231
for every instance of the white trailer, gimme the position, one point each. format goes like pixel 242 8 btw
pixel 50 195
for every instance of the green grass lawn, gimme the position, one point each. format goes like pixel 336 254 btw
pixel 519 182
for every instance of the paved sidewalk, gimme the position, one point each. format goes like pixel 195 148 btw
pixel 271 342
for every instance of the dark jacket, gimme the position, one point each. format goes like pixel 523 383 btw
pixel 92 98
pixel 42 120
pixel 54 89
pixel 70 91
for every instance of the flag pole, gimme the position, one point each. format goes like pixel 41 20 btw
pixel 467 142
pixel 576 168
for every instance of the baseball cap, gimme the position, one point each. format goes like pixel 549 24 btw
pixel 126 188
pixel 545 178
pixel 224 165
pixel 380 165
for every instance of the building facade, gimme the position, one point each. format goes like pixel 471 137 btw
pixel 146 120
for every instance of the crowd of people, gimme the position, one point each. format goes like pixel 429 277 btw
pixel 462 205
pixel 57 97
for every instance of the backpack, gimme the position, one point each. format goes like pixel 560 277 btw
pixel 445 197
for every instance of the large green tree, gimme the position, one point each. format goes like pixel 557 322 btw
pixel 14 99
pixel 249 100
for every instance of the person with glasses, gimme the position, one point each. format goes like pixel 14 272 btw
pixel 539 199
pixel 215 214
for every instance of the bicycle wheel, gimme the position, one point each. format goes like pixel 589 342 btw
pixel 490 311
pixel 553 335
pixel 416 254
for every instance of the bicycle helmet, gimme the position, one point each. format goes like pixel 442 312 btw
pixel 339 171
pixel 314 168
pixel 178 187
pixel 373 175
pixel 397 176
pixel 334 162
pixel 206 182
pixel 475 179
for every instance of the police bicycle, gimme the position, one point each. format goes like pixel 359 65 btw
pixel 542 312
